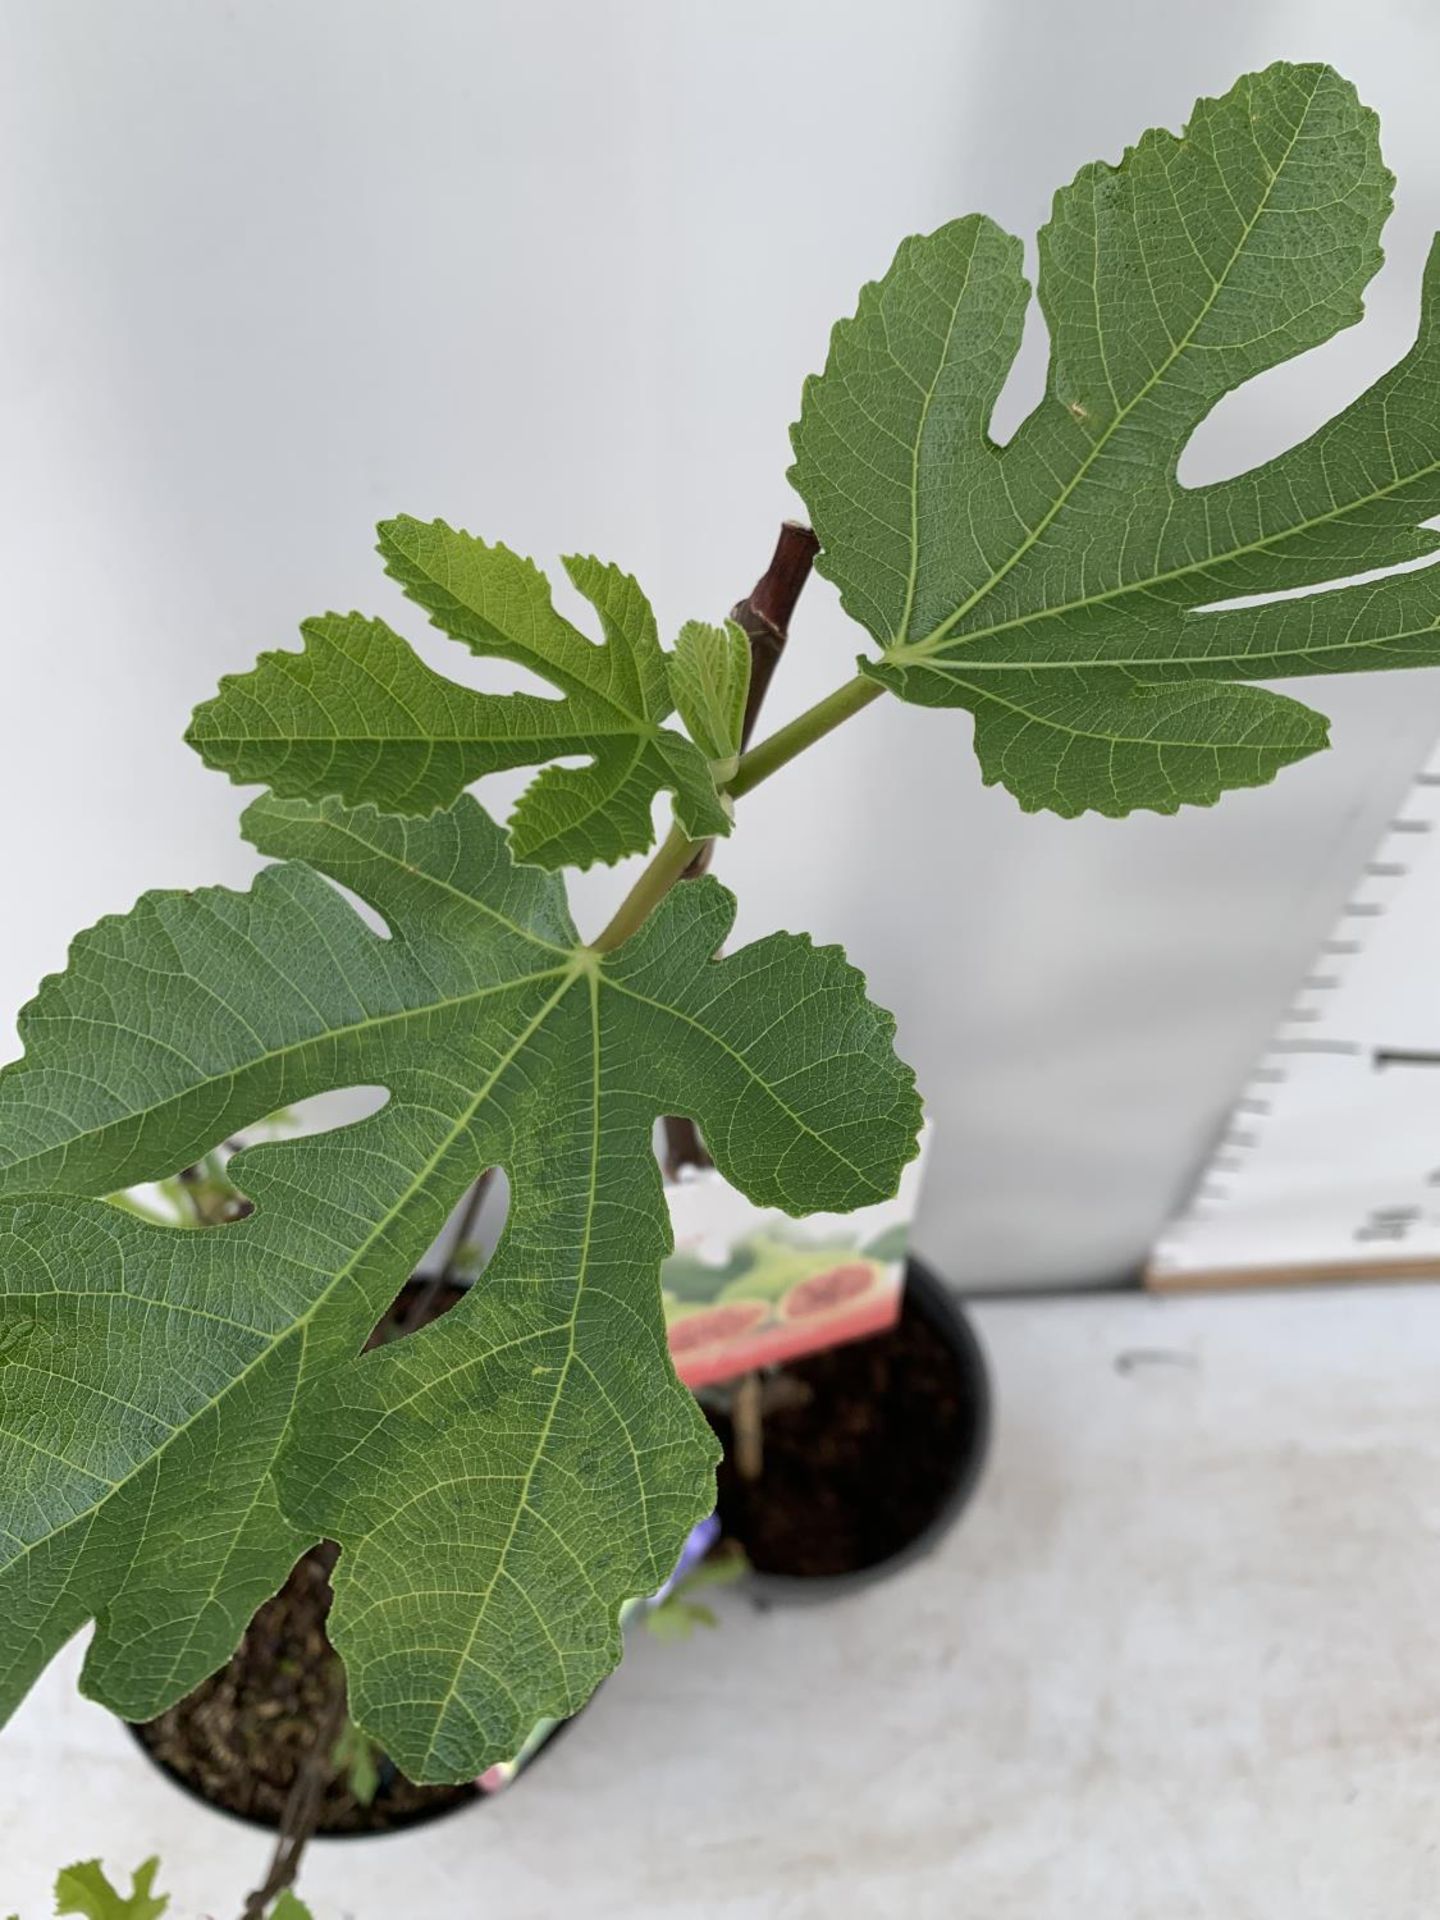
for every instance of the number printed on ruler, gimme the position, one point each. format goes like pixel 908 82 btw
pixel 1332 1154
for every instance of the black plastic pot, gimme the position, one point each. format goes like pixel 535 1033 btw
pixel 420 1817
pixel 465 1797
pixel 950 1474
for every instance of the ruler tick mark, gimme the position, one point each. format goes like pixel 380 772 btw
pixel 1317 1046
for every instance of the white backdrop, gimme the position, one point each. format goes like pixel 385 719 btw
pixel 272 269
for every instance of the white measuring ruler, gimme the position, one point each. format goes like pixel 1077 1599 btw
pixel 1329 1166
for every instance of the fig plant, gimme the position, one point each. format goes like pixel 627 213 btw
pixel 185 1413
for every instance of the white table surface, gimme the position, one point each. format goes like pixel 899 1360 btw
pixel 1181 1658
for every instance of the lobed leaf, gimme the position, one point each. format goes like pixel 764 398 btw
pixel 184 1412
pixel 359 715
pixel 85 1889
pixel 1063 587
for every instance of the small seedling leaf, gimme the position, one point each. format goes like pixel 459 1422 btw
pixel 84 1889
pixel 710 679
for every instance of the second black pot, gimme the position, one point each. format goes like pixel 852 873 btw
pixel 872 1452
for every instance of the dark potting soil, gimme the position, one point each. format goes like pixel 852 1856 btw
pixel 241 1737
pixel 863 1449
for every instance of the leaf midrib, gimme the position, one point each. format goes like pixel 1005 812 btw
pixel 1033 719
pixel 909 654
pixel 627 725
pixel 960 667
pixel 927 402
pixel 937 636
pixel 338 824
pixel 522 1498
pixel 573 682
pixel 370 1024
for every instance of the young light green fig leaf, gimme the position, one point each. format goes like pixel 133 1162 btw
pixel 184 1412
pixel 359 715
pixel 710 678
pixel 84 1889
pixel 1064 587
pixel 356 1761
pixel 287 1907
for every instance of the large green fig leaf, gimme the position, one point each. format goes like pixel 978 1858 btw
pixel 358 714
pixel 181 1413
pixel 1062 586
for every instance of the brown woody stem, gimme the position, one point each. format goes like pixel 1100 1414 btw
pixel 764 617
